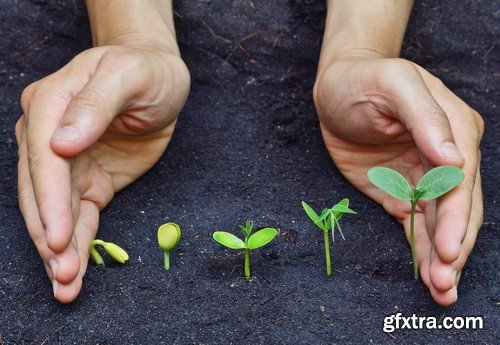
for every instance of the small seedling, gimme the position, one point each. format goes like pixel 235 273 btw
pixel 328 220
pixel 115 251
pixel 169 235
pixel 257 240
pixel 435 183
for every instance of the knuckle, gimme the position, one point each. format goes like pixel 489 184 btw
pixel 27 95
pixel 479 122
pixel 19 128
pixel 34 160
pixel 395 68
pixel 324 88
pixel 87 99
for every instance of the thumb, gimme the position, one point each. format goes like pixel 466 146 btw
pixel 89 113
pixel 427 122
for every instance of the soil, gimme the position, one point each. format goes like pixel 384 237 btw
pixel 247 146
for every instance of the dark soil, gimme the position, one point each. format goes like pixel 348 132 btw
pixel 247 146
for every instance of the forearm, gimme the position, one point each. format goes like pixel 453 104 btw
pixel 133 22
pixel 364 27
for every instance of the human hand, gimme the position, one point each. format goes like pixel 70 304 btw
pixel 89 130
pixel 391 112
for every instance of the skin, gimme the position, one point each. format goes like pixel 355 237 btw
pixel 379 110
pixel 95 126
pixel 103 120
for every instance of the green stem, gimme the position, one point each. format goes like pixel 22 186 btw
pixel 94 253
pixel 166 259
pixel 327 254
pixel 412 238
pixel 247 264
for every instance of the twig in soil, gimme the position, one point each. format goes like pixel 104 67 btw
pixel 238 46
pixel 225 40
pixel 277 38
pixel 350 250
pixel 390 335
pixel 177 14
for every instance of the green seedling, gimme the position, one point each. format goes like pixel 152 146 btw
pixel 115 251
pixel 257 240
pixel 435 183
pixel 328 220
pixel 169 235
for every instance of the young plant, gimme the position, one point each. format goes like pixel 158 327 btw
pixel 257 240
pixel 435 183
pixel 328 220
pixel 115 251
pixel 169 235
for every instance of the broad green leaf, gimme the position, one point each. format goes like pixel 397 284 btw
pixel 391 182
pixel 228 240
pixel 169 235
pixel 310 212
pixel 261 238
pixel 439 181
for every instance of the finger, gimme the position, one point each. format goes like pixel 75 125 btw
pixel 454 209
pixel 445 276
pixel 63 267
pixel 416 108
pixel 90 112
pixel 49 173
pixel 85 231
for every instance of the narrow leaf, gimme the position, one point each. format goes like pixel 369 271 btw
pixel 439 181
pixel 228 240
pixel 261 238
pixel 391 182
pixel 342 209
pixel 310 212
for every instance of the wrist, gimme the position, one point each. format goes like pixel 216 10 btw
pixel 358 29
pixel 133 23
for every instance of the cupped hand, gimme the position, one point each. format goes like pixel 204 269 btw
pixel 392 112
pixel 87 131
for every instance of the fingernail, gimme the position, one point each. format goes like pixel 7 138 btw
pixel 450 150
pixel 53 264
pixel 55 285
pixel 67 133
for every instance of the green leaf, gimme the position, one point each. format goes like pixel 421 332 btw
pixel 310 212
pixel 228 240
pixel 391 182
pixel 312 215
pixel 169 235
pixel 261 238
pixel 247 228
pixel 116 252
pixel 342 210
pixel 439 181
pixel 324 214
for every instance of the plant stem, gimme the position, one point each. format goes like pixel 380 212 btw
pixel 412 238
pixel 247 264
pixel 327 254
pixel 94 253
pixel 166 259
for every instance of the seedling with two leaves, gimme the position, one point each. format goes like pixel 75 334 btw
pixel 435 183
pixel 252 241
pixel 329 220
pixel 114 250
pixel 169 235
